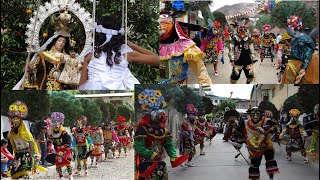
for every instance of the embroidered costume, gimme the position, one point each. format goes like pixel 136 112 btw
pixel 110 140
pixel 296 134
pixel 242 55
pixel 284 53
pixel 178 51
pixel 83 144
pixel 24 146
pixel 151 139
pixel 256 131
pixel 303 66
pixel 256 40
pixel 267 44
pixel 123 135
pixel 213 46
pixel 62 144
pixel 96 136
pixel 314 135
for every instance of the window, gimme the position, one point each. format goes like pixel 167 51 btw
pixel 273 92
pixel 243 105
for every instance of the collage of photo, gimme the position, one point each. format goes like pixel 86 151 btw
pixel 160 89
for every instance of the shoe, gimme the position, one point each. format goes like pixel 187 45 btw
pixel 184 165
pixel 77 173
pixel 289 158
pixel 271 176
pixel 190 165
pixel 305 160
pixel 71 177
pixel 96 165
pixel 86 173
pixel 216 73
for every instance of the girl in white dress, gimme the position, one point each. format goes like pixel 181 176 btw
pixel 108 68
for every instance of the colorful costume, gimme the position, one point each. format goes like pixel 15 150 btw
pixel 231 118
pixel 187 143
pixel 296 134
pixel 151 138
pixel 83 144
pixel 242 55
pixel 267 44
pixel 213 46
pixel 303 66
pixel 24 146
pixel 256 131
pixel 123 134
pixel 255 37
pixel 315 134
pixel 178 51
pixel 206 127
pixel 96 136
pixel 110 140
pixel 62 143
pixel 227 40
pixel 284 53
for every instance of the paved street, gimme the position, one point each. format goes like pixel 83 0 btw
pixel 117 169
pixel 265 73
pixel 219 163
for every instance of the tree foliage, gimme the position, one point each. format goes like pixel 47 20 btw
pixel 123 110
pixel 91 111
pixel 228 103
pixel 142 20
pixel 267 105
pixel 219 16
pixel 38 103
pixel 66 103
pixel 308 96
pixel 292 102
pixel 283 10
pixel 104 108
pixel 112 111
pixel 264 19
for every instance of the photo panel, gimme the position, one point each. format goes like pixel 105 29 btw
pixel 88 134
pixel 195 131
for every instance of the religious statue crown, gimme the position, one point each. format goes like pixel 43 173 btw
pixel 63 23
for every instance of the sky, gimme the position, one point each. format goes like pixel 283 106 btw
pixel 220 3
pixel 241 91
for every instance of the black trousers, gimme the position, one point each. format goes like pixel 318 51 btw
pixel 236 73
pixel 271 165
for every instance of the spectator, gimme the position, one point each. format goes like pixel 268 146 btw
pixel 198 39
pixel 6 158
pixel 43 139
pixel 51 153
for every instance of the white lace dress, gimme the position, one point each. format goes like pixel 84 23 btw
pixel 115 77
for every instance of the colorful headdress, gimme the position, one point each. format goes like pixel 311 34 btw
pixel 268 113
pixel 294 112
pixel 177 8
pixel 151 99
pixel 121 119
pixel 57 117
pixel 294 22
pixel 18 109
pixel 192 109
pixel 82 121
pixel 231 113
pixel 217 24
pixel 266 27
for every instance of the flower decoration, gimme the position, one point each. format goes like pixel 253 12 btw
pixel 57 117
pixel 19 109
pixel 294 112
pixel 294 22
pixel 121 119
pixel 266 27
pixel 192 109
pixel 217 24
pixel 150 99
pixel 177 5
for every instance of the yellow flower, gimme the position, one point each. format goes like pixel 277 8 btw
pixel 23 108
pixel 158 93
pixel 15 108
pixel 142 96
pixel 164 104
pixel 11 108
pixel 152 99
pixel 144 107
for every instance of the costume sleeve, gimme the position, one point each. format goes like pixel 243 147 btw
pixel 67 139
pixel 12 143
pixel 262 42
pixel 307 58
pixel 252 51
pixel 220 45
pixel 34 146
pixel 140 144
pixel 170 147
pixel 89 140
pixel 283 133
pixel 231 52
pixel 303 132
